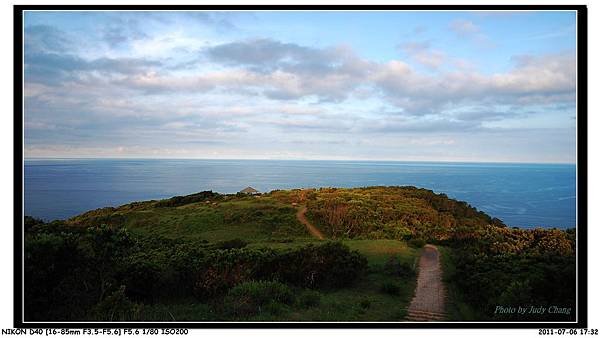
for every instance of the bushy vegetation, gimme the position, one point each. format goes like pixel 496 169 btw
pixel 517 280
pixel 103 273
pixel 235 243
pixel 392 288
pixel 396 267
pixel 177 201
pixel 494 265
pixel 330 265
pixel 392 212
pixel 250 298
pixel 224 257
pixel 308 298
pixel 516 268
pixel 203 216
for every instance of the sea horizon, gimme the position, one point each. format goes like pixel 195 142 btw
pixel 296 159
pixel 520 194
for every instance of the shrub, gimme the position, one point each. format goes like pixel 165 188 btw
pixel 515 280
pixel 395 267
pixel 365 303
pixel 116 307
pixel 231 244
pixel 330 265
pixel 309 298
pixel 250 298
pixel 417 243
pixel 142 280
pixel 67 272
pixel 183 267
pixel 391 288
pixel 30 222
pixel 188 199
pixel 223 269
pixel 50 261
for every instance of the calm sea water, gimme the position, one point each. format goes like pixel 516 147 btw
pixel 522 195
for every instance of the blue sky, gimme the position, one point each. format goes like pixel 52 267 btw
pixel 426 86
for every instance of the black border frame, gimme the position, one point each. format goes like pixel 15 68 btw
pixel 581 100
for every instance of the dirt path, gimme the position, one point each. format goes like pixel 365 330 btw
pixel 429 301
pixel 311 228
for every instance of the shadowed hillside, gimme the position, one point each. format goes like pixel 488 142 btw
pixel 209 256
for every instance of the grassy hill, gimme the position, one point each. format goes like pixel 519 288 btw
pixel 209 256
pixel 398 213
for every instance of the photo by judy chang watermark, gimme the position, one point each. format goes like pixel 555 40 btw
pixel 532 310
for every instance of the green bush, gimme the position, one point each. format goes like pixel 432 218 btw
pixel 66 273
pixel 391 212
pixel 330 265
pixel 365 303
pixel 116 307
pixel 391 288
pixel 416 243
pixel 251 298
pixel 223 269
pixel 142 280
pixel 515 280
pixel 188 199
pixel 309 298
pixel 231 244
pixel 31 222
pixel 51 264
pixel 396 267
pixel 75 273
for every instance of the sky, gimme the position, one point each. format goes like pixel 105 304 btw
pixel 331 85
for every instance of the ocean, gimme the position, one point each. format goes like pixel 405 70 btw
pixel 522 195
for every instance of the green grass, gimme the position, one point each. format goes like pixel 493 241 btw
pixel 365 300
pixel 378 251
pixel 382 214
pixel 249 218
pixel 268 221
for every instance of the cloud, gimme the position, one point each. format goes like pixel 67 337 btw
pixel 421 125
pixel 464 27
pixel 544 75
pixel 122 30
pixel 423 54
pixel 220 20
pixel 537 79
pixel 276 70
pixel 534 79
pixel 44 38
pixel 268 55
pixel 467 29
pixel 256 92
pixel 287 72
pixel 195 85
pixel 52 68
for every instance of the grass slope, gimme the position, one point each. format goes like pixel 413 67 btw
pixel 270 221
pixel 214 257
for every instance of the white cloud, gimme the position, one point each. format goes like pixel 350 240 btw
pixel 263 96
pixel 467 29
pixel 424 54
pixel 464 27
